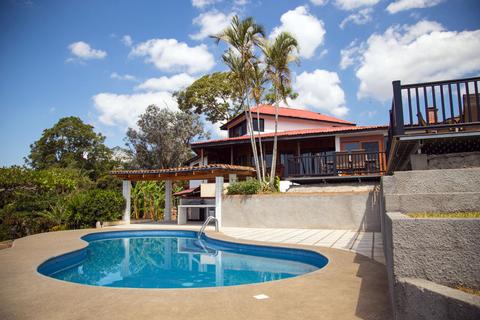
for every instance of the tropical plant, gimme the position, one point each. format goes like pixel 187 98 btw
pixel 88 207
pixel 278 56
pixel 243 36
pixel 148 199
pixel 249 186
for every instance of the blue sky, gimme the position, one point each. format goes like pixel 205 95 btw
pixel 105 61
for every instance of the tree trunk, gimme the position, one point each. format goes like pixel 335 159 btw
pixel 274 152
pixel 251 133
pixel 262 162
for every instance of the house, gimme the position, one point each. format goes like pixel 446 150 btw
pixel 311 146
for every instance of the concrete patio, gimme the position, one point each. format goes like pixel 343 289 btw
pixel 351 286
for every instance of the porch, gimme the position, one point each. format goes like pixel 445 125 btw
pixel 333 156
pixel 433 118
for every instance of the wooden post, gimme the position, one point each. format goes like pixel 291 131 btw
pixel 126 192
pixel 168 201
pixel 231 155
pixel 397 103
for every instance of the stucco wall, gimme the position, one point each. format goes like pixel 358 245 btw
pixel 441 250
pixel 422 299
pixel 347 210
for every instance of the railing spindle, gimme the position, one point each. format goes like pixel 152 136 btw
pixel 417 98
pixel 452 115
pixel 460 109
pixel 426 105
pixel 477 100
pixel 442 100
pixel 410 106
pixel 467 91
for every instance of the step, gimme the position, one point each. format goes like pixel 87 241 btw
pixel 432 181
pixel 433 202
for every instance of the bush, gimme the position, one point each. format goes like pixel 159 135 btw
pixel 250 186
pixel 94 205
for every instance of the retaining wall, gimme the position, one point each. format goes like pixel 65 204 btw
pixel 422 299
pixel 329 210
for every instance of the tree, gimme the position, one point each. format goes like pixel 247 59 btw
pixel 278 56
pixel 213 95
pixel 163 138
pixel 70 143
pixel 243 36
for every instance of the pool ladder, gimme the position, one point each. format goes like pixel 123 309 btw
pixel 204 225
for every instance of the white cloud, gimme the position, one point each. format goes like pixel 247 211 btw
pixel 170 84
pixel 402 5
pixel 320 90
pixel 319 2
pixel 82 50
pixel 211 23
pixel 203 3
pixel 123 109
pixel 171 55
pixel 307 28
pixel 361 17
pixel 126 77
pixel 421 52
pixel 355 4
pixel 351 54
pixel 127 40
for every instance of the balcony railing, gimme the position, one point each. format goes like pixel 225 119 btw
pixel 337 164
pixel 434 105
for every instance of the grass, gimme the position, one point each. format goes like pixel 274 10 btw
pixel 469 290
pixel 465 215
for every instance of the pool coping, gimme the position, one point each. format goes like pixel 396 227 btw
pixel 358 288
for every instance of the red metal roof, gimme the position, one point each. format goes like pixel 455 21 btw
pixel 303 132
pixel 292 113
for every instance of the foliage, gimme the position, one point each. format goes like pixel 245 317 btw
pixel 70 143
pixel 249 186
pixel 148 199
pixel 163 138
pixel 213 95
pixel 88 207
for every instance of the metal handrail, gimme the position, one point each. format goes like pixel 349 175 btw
pixel 204 225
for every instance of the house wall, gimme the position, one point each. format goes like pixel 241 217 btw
pixel 362 138
pixel 287 123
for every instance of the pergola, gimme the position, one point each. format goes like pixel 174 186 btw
pixel 217 172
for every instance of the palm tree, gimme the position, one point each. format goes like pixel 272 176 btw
pixel 258 80
pixel 243 36
pixel 278 56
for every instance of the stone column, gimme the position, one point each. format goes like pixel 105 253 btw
pixel 168 201
pixel 126 191
pixel 218 200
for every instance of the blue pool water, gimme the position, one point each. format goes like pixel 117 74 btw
pixel 176 259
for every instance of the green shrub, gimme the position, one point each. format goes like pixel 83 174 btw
pixel 94 205
pixel 250 186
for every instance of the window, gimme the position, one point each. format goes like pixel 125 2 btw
pixel 262 125
pixel 352 146
pixel 370 146
pixel 238 130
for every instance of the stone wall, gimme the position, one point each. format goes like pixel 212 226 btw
pixel 454 160
pixel 328 210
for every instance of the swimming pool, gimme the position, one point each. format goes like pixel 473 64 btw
pixel 176 259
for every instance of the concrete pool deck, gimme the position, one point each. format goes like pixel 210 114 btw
pixel 351 286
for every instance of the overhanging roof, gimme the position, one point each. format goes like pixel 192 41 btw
pixel 291 134
pixel 184 173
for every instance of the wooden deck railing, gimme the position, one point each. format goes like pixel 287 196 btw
pixel 434 105
pixel 337 164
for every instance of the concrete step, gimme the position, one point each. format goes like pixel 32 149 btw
pixel 432 181
pixel 433 202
